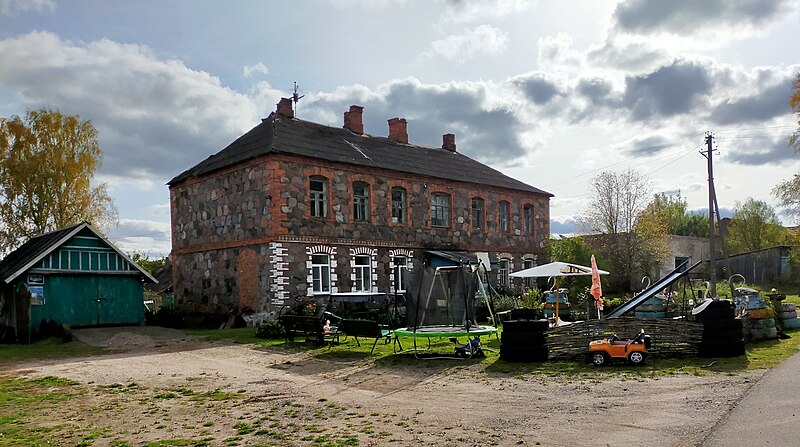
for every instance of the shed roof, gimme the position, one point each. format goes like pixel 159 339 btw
pixel 28 254
pixel 278 134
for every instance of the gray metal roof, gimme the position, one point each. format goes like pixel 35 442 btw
pixel 281 135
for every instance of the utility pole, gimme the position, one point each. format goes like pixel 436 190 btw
pixel 711 227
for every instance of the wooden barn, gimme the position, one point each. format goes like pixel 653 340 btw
pixel 73 276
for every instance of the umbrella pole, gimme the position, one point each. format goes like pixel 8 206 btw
pixel 556 323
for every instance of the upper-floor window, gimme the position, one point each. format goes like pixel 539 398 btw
pixel 477 213
pixel 527 219
pixel 398 205
pixel 360 201
pixel 503 272
pixel 320 273
pixel 504 215
pixel 400 273
pixel 440 210
pixel 363 281
pixel 318 192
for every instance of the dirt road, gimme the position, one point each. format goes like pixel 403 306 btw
pixel 162 385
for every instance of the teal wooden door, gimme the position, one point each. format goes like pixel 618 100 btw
pixel 90 300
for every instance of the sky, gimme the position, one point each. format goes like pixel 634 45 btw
pixel 552 93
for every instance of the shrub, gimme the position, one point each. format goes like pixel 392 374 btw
pixel 270 330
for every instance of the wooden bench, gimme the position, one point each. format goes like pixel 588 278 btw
pixel 311 327
pixel 365 329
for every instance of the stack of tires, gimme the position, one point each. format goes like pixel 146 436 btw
pixel 759 320
pixel 524 341
pixel 723 334
pixel 788 316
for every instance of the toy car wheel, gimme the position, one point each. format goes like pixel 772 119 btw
pixel 636 357
pixel 599 358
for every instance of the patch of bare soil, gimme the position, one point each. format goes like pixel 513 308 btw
pixel 163 385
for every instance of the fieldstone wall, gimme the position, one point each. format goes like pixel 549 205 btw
pixel 232 206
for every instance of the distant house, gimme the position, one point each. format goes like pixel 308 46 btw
pixel 72 276
pixel 294 208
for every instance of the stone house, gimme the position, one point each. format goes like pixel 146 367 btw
pixel 294 208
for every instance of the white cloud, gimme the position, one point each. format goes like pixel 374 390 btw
pixel 149 237
pixel 250 70
pixel 459 11
pixel 155 117
pixel 461 47
pixel 12 7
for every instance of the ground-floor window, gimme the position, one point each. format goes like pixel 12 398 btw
pixel 363 282
pixel 321 273
pixel 400 273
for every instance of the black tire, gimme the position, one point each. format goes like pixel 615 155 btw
pixel 723 324
pixel 525 314
pixel 718 310
pixel 723 334
pixel 526 326
pixel 637 357
pixel 721 349
pixel 523 338
pixel 599 358
pixel 523 353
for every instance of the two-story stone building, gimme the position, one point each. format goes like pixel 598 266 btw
pixel 297 208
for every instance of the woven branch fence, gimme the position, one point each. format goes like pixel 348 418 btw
pixel 671 338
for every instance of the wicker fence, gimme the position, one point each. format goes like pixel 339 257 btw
pixel 671 338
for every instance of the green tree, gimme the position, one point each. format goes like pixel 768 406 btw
pixel 628 245
pixel 754 226
pixel 673 211
pixel 47 164
pixel 150 265
pixel 571 249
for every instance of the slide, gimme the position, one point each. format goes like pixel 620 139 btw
pixel 654 289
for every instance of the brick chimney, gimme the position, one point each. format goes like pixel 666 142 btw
pixel 285 108
pixel 398 130
pixel 352 120
pixel 449 142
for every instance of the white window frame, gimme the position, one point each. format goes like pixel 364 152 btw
pixel 503 271
pixel 400 273
pixel 363 273
pixel 320 284
pixel 526 264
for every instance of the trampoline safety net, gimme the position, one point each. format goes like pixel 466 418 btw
pixel 441 297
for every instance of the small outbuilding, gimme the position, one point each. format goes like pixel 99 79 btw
pixel 73 276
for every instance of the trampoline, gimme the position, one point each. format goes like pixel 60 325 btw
pixel 441 304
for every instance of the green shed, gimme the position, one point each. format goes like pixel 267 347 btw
pixel 73 276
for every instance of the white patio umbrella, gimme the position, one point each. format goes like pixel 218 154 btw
pixel 555 270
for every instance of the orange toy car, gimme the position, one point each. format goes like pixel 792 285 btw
pixel 635 350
